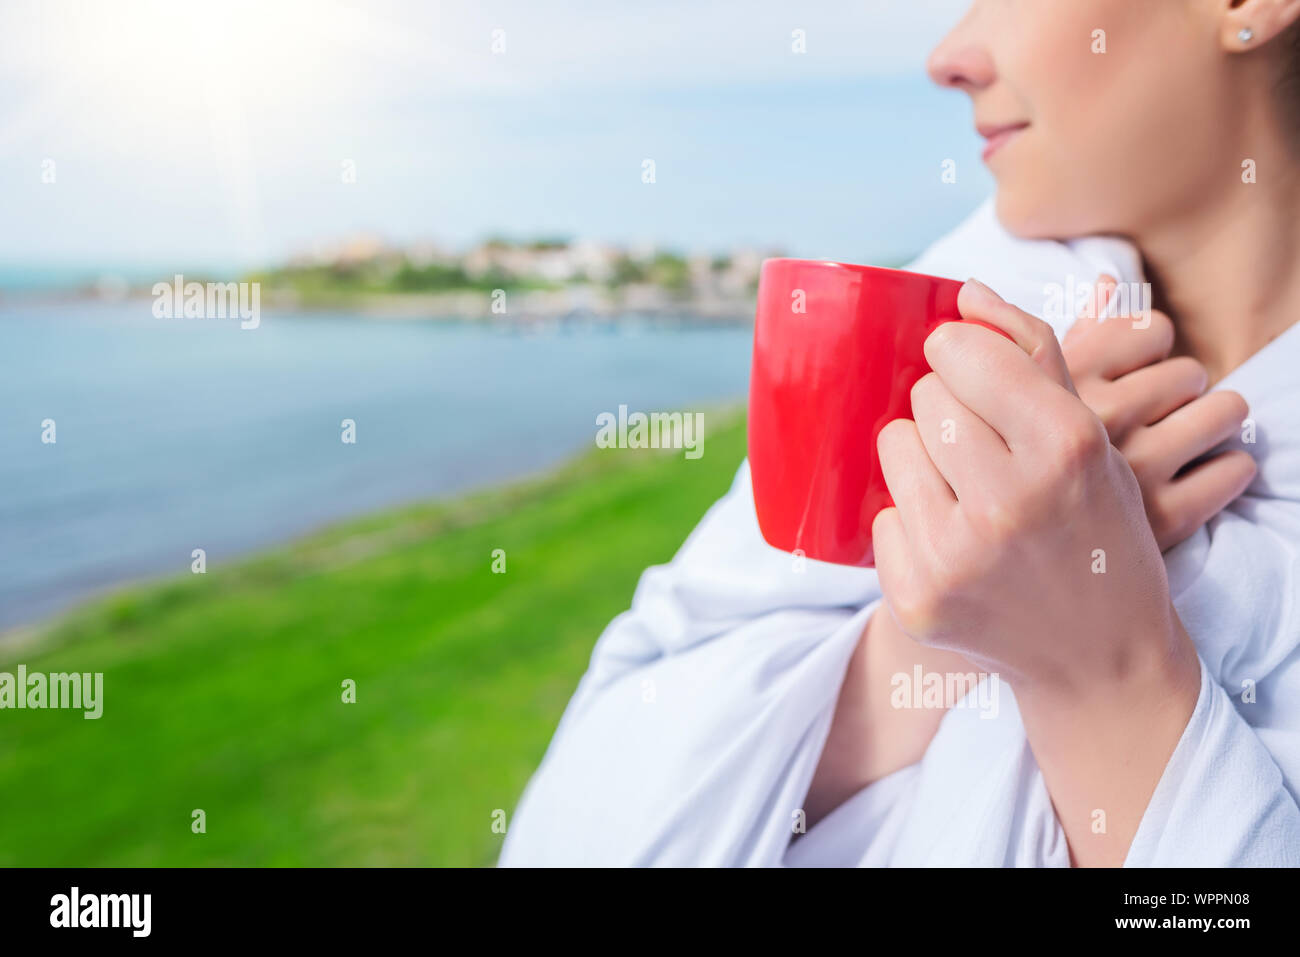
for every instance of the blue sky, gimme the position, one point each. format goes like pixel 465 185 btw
pixel 196 132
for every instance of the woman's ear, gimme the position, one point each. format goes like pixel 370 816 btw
pixel 1249 24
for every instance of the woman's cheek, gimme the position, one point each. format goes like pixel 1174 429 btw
pixel 1062 180
pixel 1065 177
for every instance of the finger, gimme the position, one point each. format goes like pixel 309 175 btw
pixel 1111 348
pixel 977 301
pixel 918 490
pixel 1182 506
pixel 1000 383
pixel 1093 309
pixel 893 558
pixel 1101 293
pixel 1187 433
pixel 1148 395
pixel 963 448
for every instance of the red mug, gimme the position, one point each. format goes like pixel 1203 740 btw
pixel 837 349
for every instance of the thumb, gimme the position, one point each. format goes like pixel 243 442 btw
pixel 978 303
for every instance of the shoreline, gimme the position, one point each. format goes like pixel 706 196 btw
pixel 525 308
pixel 35 635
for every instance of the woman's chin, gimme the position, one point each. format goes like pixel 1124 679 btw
pixel 1031 216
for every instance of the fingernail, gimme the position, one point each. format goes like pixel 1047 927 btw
pixel 1106 286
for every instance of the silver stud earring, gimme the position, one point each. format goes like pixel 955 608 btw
pixel 1245 34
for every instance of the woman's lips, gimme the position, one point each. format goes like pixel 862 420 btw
pixel 998 136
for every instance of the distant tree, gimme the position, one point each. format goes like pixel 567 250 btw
pixel 433 277
pixel 670 271
pixel 627 270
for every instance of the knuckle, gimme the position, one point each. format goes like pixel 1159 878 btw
pixel 916 609
pixel 1040 332
pixel 1080 441
pixel 996 520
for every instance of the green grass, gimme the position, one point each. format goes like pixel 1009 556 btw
pixel 223 691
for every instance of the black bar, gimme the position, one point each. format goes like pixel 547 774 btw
pixel 334 906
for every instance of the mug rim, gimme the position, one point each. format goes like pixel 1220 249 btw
pixel 858 267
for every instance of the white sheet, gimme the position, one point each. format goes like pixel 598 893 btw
pixel 693 736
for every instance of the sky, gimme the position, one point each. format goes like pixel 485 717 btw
pixel 160 132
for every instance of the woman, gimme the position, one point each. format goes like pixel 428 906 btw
pixel 745 711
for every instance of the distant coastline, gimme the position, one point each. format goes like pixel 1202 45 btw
pixel 507 279
pixel 499 281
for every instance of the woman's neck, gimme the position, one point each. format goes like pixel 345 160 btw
pixel 1229 274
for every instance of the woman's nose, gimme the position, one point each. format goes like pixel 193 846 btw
pixel 961 62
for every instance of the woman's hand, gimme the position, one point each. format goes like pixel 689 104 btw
pixel 1124 374
pixel 1019 540
pixel 1010 498
pixel 1156 412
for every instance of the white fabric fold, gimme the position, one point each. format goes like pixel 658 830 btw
pixel 693 737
